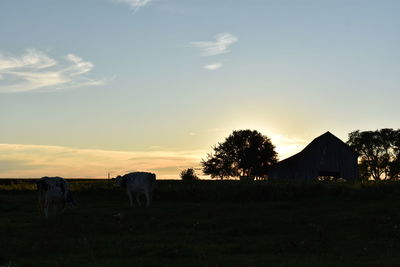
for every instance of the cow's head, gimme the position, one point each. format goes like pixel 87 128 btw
pixel 42 186
pixel 118 181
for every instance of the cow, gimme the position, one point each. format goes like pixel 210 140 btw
pixel 137 184
pixel 51 190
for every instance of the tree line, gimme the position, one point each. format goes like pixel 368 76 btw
pixel 249 154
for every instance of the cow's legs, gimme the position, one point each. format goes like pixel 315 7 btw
pixel 138 199
pixel 63 205
pixel 147 199
pixel 46 208
pixel 41 206
pixel 130 198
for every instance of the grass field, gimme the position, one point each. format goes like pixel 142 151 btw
pixel 207 223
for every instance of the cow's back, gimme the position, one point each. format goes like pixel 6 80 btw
pixel 140 182
pixel 53 187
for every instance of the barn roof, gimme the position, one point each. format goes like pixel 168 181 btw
pixel 326 153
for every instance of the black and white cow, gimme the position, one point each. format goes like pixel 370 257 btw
pixel 51 190
pixel 137 184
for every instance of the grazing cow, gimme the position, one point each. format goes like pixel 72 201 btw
pixel 53 189
pixel 137 184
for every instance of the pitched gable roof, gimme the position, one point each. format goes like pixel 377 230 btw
pixel 326 153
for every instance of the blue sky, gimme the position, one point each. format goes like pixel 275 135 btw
pixel 120 85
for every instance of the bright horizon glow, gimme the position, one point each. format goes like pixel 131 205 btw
pixel 35 161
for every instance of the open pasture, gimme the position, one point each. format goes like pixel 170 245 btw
pixel 206 223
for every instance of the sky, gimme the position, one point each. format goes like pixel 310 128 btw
pixel 94 87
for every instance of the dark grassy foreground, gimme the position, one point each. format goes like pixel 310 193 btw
pixel 207 223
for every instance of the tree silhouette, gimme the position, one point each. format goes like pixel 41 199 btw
pixel 189 175
pixel 379 153
pixel 217 165
pixel 243 153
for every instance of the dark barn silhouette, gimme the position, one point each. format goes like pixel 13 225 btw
pixel 326 156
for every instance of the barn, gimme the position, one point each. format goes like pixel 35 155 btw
pixel 325 156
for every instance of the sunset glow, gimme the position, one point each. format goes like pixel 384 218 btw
pixel 125 85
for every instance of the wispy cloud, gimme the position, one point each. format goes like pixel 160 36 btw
pixel 79 66
pixel 35 70
pixel 32 58
pixel 135 5
pixel 220 46
pixel 18 160
pixel 213 66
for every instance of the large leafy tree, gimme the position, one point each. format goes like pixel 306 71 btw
pixel 379 153
pixel 243 153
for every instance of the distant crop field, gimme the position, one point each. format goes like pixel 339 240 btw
pixel 206 223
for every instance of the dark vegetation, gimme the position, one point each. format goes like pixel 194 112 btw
pixel 379 153
pixel 207 223
pixel 189 175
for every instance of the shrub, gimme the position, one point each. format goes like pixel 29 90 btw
pixel 189 175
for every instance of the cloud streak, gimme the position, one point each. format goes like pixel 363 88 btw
pixel 220 46
pixel 134 5
pixel 213 66
pixel 35 70
pixel 31 161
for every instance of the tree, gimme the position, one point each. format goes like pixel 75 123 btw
pixel 189 175
pixel 379 153
pixel 217 166
pixel 243 153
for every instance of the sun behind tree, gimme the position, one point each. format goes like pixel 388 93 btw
pixel 244 153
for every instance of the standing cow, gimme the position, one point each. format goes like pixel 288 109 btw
pixel 53 189
pixel 137 184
